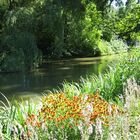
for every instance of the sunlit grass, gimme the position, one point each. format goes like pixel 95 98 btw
pixel 111 83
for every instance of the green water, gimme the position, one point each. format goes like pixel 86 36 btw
pixel 50 75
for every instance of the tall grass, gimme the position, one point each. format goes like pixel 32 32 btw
pixel 12 119
pixel 20 122
pixel 111 83
pixel 127 125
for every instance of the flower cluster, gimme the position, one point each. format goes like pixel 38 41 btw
pixel 62 110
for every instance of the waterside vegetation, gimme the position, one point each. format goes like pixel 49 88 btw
pixel 104 107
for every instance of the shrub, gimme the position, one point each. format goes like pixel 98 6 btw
pixel 114 46
pixel 19 51
pixel 60 117
pixel 77 117
pixel 105 47
pixel 118 45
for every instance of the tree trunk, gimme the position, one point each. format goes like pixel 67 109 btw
pixel 10 4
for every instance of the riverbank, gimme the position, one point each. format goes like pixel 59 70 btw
pixel 52 75
pixel 16 62
pixel 79 113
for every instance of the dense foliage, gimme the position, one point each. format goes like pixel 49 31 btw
pixel 55 28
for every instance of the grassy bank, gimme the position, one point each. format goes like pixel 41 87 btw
pixel 111 83
pixel 103 107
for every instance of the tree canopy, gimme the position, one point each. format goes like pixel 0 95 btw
pixel 63 28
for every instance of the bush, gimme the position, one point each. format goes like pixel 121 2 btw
pixel 118 45
pixel 19 51
pixel 105 47
pixel 18 45
pixel 84 116
pixel 114 46
pixel 58 117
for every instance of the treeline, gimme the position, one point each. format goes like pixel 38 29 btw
pixel 30 29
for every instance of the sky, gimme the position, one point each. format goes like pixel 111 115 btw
pixel 124 1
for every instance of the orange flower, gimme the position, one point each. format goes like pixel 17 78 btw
pixel 59 107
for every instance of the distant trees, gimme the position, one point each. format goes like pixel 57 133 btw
pixel 61 28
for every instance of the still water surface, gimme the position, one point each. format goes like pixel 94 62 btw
pixel 50 75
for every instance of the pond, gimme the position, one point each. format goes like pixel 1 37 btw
pixel 51 74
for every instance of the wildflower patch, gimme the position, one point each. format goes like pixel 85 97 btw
pixel 60 110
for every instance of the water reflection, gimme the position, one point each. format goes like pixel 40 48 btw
pixel 50 75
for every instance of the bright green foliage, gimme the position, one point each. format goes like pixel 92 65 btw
pixel 111 83
pixel 124 22
pixel 114 46
pixel 91 33
pixel 129 25
pixel 84 34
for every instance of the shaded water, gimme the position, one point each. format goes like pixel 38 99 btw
pixel 50 75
